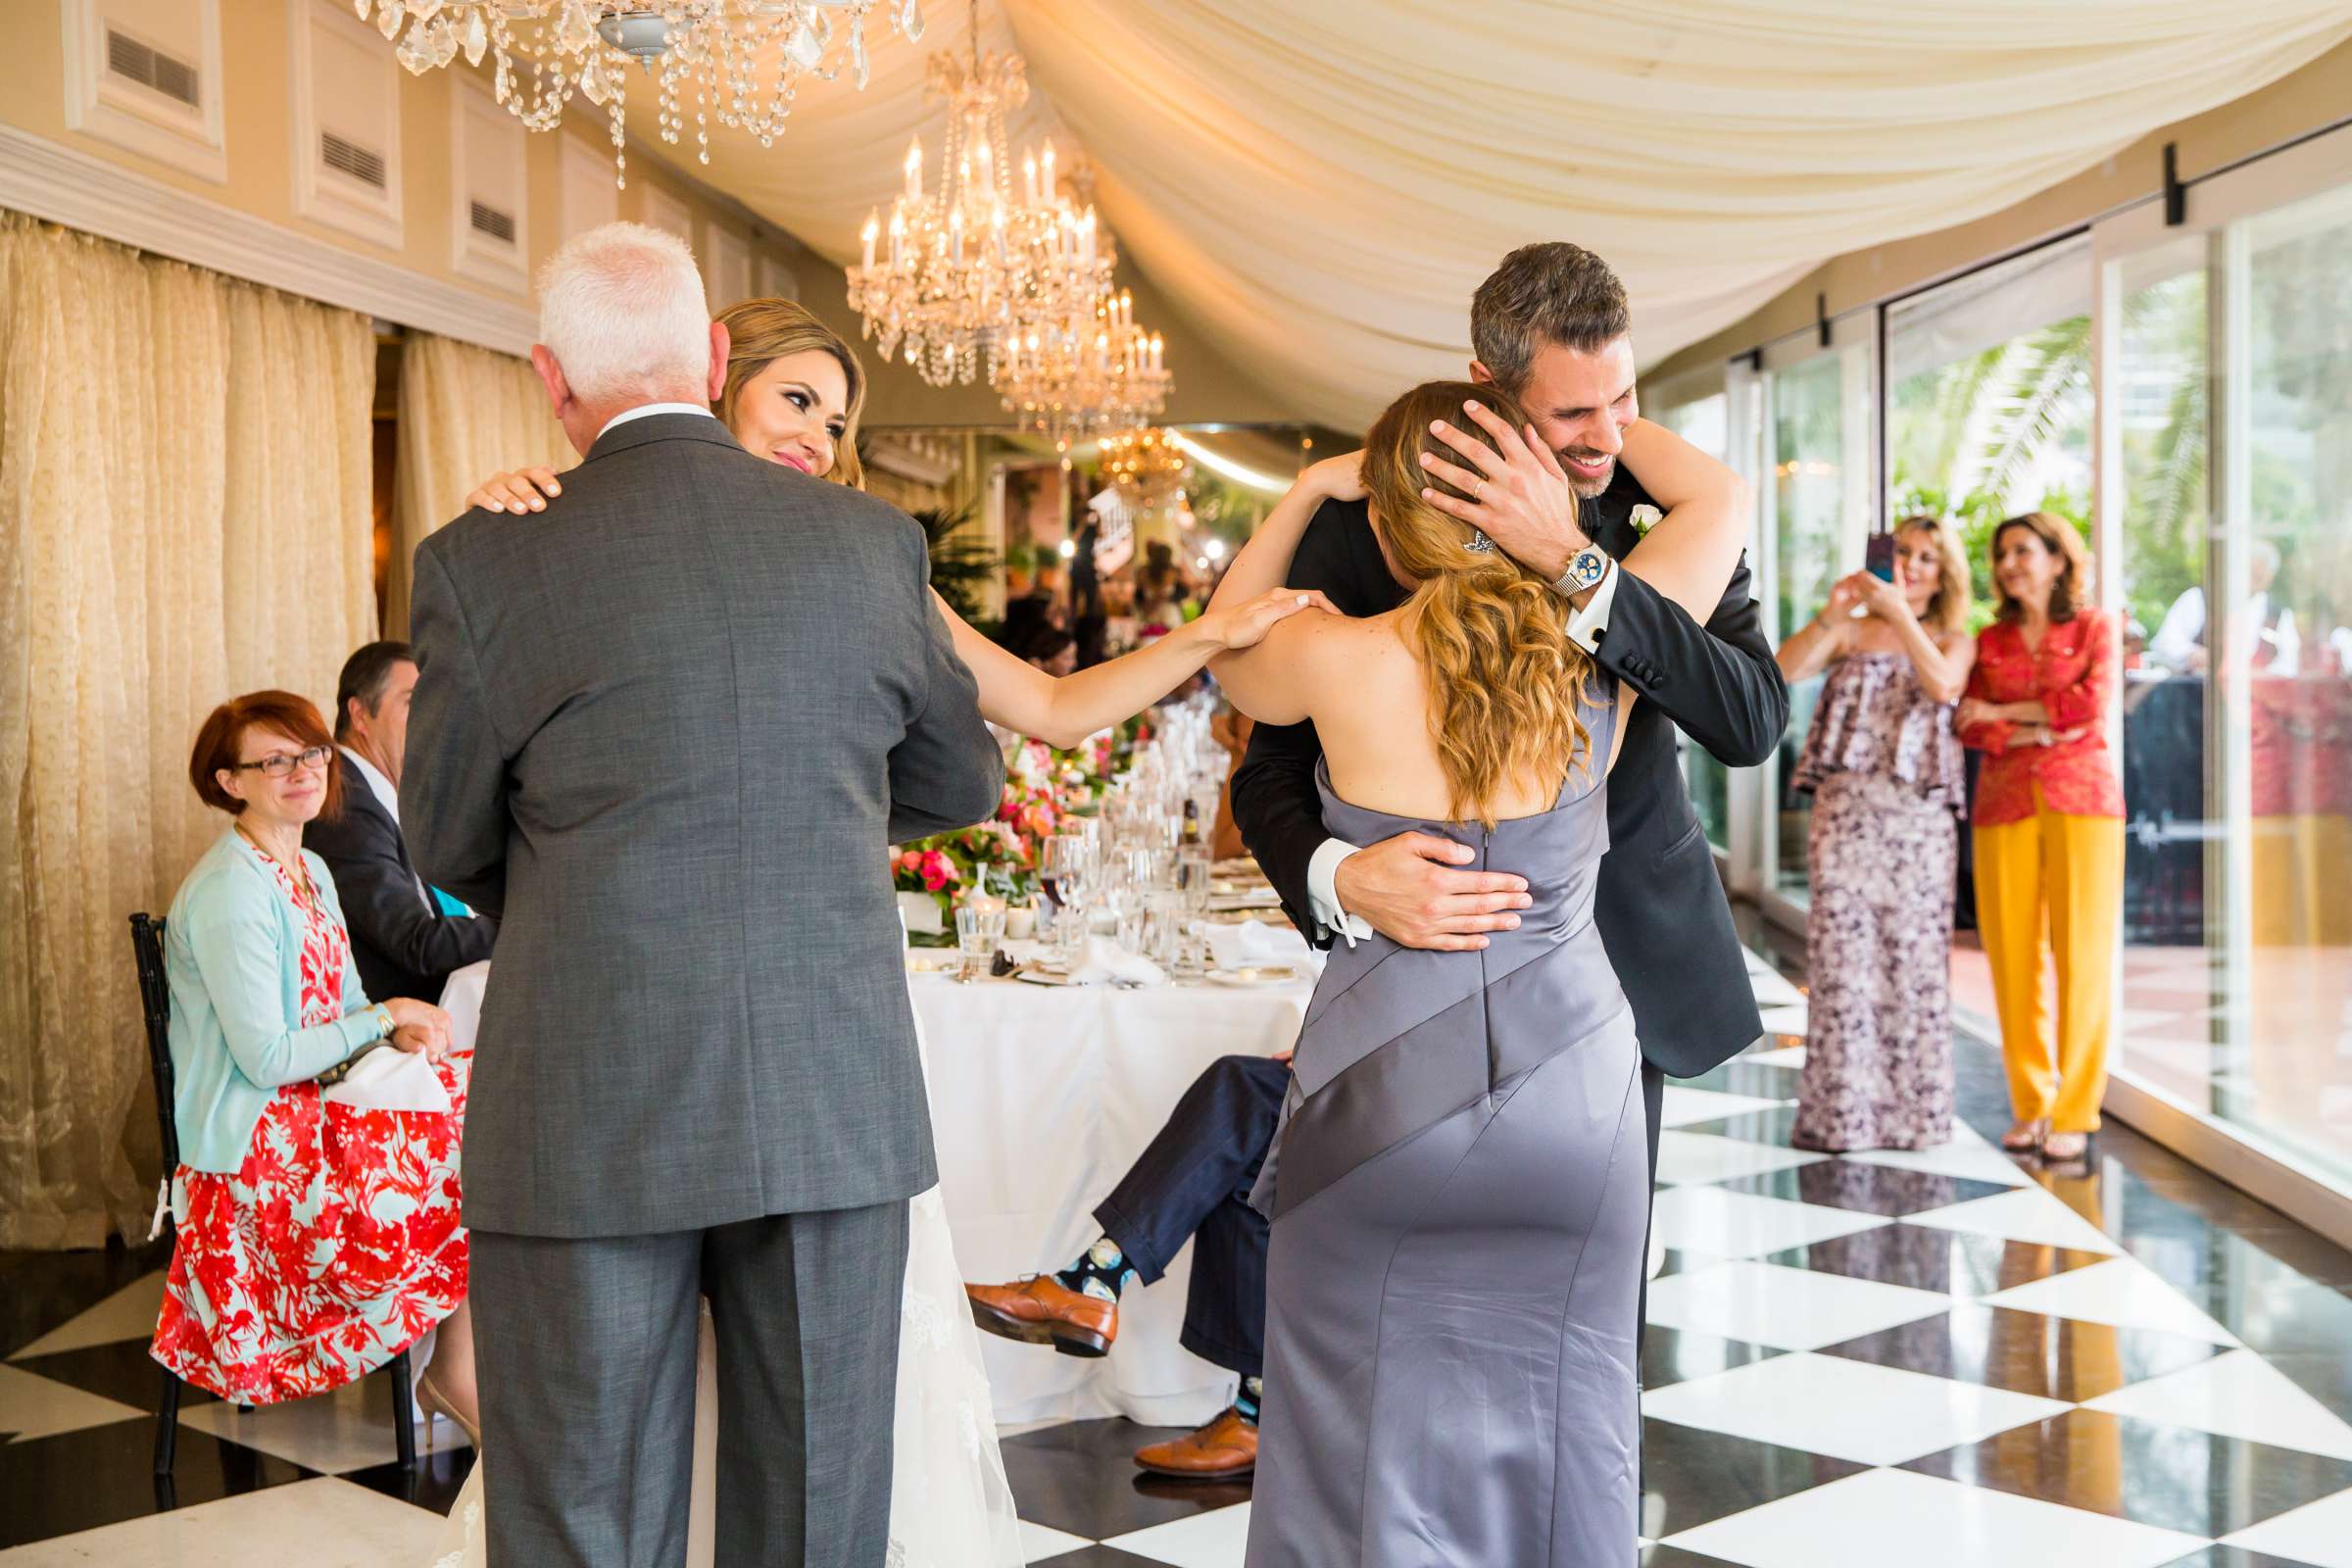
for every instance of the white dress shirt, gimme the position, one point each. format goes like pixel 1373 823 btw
pixel 1331 918
pixel 644 409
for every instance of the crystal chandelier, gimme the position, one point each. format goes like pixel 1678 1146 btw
pixel 1145 465
pixel 955 276
pixel 1084 373
pixel 738 61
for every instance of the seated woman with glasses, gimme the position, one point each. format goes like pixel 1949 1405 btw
pixel 317 1240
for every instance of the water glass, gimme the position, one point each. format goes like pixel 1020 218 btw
pixel 979 933
pixel 1192 877
pixel 1164 921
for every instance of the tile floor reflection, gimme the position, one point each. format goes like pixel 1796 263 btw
pixel 1943 1358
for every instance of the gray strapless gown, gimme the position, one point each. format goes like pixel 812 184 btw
pixel 1459 1194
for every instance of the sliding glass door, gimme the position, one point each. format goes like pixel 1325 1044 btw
pixel 2226 529
pixel 1818 501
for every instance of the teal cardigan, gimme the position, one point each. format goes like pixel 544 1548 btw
pixel 232 953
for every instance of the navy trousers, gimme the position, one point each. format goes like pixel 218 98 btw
pixel 1193 1184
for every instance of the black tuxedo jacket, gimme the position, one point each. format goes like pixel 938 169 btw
pixel 1660 906
pixel 403 947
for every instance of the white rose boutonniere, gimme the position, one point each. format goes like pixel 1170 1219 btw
pixel 1645 517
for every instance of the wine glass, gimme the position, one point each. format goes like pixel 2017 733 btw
pixel 1067 870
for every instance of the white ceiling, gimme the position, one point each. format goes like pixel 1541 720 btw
pixel 1318 185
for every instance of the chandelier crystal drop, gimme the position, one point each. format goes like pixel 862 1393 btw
pixel 1084 373
pixel 954 274
pixel 739 62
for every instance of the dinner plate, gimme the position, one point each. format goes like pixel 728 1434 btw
pixel 1255 974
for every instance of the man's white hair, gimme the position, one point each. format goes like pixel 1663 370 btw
pixel 621 309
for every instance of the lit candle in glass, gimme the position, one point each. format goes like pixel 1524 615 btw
pixel 898 238
pixel 1029 178
pixel 914 171
pixel 1155 348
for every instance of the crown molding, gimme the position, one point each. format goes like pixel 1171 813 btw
pixel 63 185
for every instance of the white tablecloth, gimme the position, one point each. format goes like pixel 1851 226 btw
pixel 1041 1098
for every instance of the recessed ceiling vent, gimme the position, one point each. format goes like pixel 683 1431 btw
pixel 346 157
pixel 133 60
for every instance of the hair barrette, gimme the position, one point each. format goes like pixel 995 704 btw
pixel 1479 543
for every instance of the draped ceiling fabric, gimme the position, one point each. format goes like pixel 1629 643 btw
pixel 1319 185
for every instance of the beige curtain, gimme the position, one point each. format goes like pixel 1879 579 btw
pixel 183 515
pixel 466 412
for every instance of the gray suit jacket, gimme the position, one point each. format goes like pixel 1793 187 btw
pixel 663 731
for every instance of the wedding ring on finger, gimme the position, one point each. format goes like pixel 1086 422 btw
pixel 1478 491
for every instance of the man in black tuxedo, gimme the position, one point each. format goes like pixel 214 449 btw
pixel 404 938
pixel 1550 326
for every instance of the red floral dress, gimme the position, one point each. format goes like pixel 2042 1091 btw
pixel 336 1245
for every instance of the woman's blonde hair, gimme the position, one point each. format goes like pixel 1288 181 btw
pixel 760 332
pixel 2073 589
pixel 1504 680
pixel 1948 612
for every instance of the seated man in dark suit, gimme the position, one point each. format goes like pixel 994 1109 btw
pixel 1192 1182
pixel 405 937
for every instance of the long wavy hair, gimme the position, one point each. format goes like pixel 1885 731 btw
pixel 1504 680
pixel 1947 611
pixel 760 332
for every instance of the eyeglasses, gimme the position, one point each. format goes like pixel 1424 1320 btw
pixel 277 764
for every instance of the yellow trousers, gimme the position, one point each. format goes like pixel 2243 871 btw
pixel 2062 876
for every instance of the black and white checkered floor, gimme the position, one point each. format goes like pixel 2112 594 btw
pixel 1945 1358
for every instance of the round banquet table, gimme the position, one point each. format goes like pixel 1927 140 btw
pixel 1041 1098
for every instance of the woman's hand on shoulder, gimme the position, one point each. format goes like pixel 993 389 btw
pixel 1245 624
pixel 522 491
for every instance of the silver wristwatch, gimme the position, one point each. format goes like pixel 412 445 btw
pixel 1585 568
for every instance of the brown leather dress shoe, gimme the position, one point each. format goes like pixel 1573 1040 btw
pixel 1225 1447
pixel 1041 1310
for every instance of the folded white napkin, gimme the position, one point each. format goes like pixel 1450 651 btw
pixel 391 1080
pixel 1105 961
pixel 1254 941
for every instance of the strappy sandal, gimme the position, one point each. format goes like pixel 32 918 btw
pixel 2027 1136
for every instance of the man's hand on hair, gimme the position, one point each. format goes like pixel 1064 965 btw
pixel 1521 497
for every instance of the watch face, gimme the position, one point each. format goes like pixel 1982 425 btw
pixel 1587 567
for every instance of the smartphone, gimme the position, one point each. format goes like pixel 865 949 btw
pixel 1878 557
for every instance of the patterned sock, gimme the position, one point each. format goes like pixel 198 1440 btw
pixel 1246 1401
pixel 1100 1271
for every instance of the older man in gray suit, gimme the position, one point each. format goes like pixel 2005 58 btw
pixel 663 731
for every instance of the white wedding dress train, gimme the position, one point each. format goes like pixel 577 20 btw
pixel 950 1503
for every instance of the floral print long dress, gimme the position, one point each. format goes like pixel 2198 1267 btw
pixel 337 1242
pixel 1884 766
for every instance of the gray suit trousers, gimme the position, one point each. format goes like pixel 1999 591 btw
pixel 587 1355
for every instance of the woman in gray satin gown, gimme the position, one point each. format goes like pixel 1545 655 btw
pixel 1459 1191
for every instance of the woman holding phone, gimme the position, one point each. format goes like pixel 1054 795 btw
pixel 1882 764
